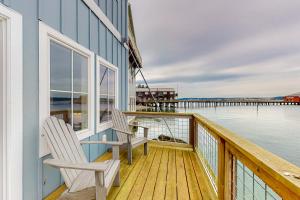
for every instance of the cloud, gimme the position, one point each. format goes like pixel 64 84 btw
pixel 222 48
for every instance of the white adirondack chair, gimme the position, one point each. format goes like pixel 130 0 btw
pixel 84 180
pixel 122 128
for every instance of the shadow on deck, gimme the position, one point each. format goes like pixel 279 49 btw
pixel 166 173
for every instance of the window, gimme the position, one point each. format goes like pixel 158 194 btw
pixel 106 93
pixel 69 86
pixel 66 87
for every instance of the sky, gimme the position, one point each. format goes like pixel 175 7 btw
pixel 213 48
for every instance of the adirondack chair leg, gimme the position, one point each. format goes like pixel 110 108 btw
pixel 117 180
pixel 129 149
pixel 146 149
pixel 129 154
pixel 100 189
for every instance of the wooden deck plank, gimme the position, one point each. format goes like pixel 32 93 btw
pixel 152 177
pixel 194 189
pixel 140 182
pixel 171 189
pixel 165 173
pixel 130 182
pixel 202 180
pixel 182 186
pixel 161 181
pixel 125 171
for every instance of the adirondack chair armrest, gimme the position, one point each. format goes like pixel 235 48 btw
pixel 122 131
pixel 97 167
pixel 113 143
pixel 144 127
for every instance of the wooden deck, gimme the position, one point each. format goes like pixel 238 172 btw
pixel 166 173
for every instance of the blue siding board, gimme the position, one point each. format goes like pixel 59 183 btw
pixel 109 46
pixel 115 13
pixel 126 79
pixel 109 9
pixel 123 19
pixel 94 154
pixel 102 4
pixel 126 18
pixel 52 179
pixel 50 13
pixel 94 35
pixel 115 51
pixel 120 15
pixel 69 19
pixel 83 24
pixel 102 33
pixel 86 149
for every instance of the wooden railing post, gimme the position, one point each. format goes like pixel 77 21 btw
pixel 221 169
pixel 230 175
pixel 191 131
pixel 195 134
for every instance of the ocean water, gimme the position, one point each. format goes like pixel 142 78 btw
pixel 275 128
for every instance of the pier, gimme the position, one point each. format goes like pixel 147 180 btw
pixel 213 103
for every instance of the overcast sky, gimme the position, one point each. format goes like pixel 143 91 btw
pixel 227 48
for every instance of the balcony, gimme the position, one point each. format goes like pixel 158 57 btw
pixel 190 157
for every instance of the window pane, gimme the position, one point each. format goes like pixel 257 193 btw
pixel 60 67
pixel 103 79
pixel 103 94
pixel 111 106
pixel 111 82
pixel 103 108
pixel 60 105
pixel 111 101
pixel 80 73
pixel 80 111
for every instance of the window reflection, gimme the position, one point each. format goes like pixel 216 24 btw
pixel 80 73
pixel 103 94
pixel 80 112
pixel 61 105
pixel 107 93
pixel 61 67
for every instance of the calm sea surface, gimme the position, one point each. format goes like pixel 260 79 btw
pixel 275 128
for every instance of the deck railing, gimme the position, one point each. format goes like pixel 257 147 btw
pixel 235 167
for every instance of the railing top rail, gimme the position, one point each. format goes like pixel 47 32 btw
pixel 280 169
pixel 160 114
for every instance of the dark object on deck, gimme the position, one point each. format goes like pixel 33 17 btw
pixel 169 139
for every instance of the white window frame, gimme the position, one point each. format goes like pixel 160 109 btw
pixel 12 116
pixel 100 61
pixel 47 34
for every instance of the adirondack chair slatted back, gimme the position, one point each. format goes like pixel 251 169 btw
pixel 64 145
pixel 120 122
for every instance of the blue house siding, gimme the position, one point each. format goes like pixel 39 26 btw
pixel 69 18
pixel 76 20
pixel 83 24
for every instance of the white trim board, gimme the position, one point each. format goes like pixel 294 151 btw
pixel 12 117
pixel 47 34
pixel 99 13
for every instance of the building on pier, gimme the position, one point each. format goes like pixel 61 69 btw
pixel 293 98
pixel 143 94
